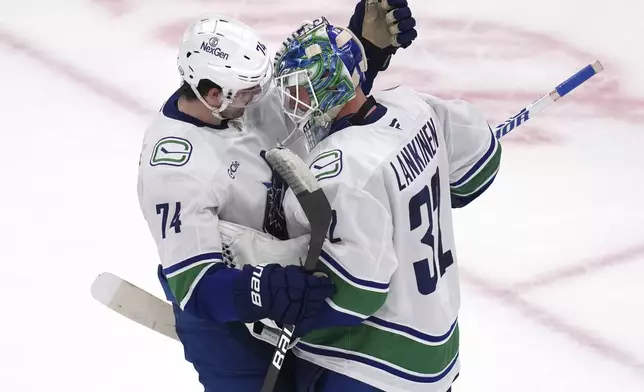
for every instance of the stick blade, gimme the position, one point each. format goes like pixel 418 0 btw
pixel 134 303
pixel 293 170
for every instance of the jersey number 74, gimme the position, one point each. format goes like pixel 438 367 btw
pixel 175 223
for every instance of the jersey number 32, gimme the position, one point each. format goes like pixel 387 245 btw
pixel 426 278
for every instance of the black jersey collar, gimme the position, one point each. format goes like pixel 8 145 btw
pixel 361 117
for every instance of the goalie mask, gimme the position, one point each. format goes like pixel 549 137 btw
pixel 317 73
pixel 229 54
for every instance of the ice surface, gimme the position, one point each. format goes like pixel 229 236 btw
pixel 552 256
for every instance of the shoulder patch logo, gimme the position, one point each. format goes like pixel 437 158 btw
pixel 327 165
pixel 171 151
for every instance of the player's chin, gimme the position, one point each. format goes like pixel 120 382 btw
pixel 233 113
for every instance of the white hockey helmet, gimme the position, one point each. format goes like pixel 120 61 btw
pixel 229 53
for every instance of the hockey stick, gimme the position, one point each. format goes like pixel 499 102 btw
pixel 241 245
pixel 546 100
pixel 134 303
pixel 318 211
pixel 146 309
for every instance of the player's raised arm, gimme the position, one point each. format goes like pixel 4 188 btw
pixel 382 26
pixel 474 153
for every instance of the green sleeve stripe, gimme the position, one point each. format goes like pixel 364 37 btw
pixel 487 171
pixel 354 300
pixel 183 283
pixel 339 270
pixel 397 350
pixel 186 264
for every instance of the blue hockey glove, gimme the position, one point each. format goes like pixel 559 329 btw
pixel 287 295
pixel 383 26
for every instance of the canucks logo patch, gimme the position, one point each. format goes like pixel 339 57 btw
pixel 327 165
pixel 171 151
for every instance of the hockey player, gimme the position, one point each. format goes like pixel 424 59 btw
pixel 201 163
pixel 392 166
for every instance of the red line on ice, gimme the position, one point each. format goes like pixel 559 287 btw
pixel 583 268
pixel 512 299
pixel 80 77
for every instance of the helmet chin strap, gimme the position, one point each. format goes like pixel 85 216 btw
pixel 216 112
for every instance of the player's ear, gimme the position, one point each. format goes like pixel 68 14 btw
pixel 213 97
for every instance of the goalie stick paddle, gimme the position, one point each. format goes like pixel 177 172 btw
pixel 317 209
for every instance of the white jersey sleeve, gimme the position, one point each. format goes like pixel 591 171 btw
pixel 181 212
pixel 474 153
pixel 358 254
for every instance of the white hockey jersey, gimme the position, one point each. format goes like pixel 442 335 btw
pixel 390 250
pixel 192 174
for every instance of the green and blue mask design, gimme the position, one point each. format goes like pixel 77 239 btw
pixel 317 72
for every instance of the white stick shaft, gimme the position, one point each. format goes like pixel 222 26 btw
pixel 546 100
